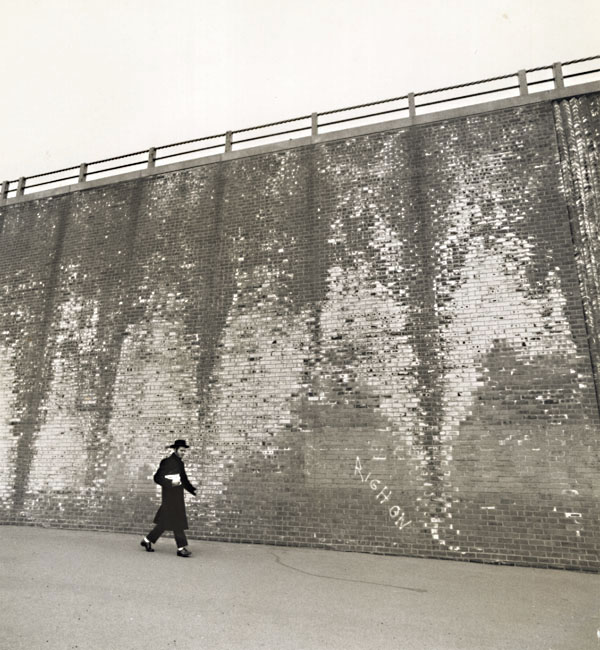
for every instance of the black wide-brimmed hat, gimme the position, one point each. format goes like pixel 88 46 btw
pixel 179 443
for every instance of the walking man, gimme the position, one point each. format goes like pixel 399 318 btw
pixel 171 515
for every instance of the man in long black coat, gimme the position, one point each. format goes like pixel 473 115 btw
pixel 171 515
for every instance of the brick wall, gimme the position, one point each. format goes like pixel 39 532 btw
pixel 373 344
pixel 578 130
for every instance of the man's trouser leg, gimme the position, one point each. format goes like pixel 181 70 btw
pixel 180 538
pixel 155 533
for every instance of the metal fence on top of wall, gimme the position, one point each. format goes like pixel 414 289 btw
pixel 556 76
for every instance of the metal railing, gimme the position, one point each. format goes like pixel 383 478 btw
pixel 520 81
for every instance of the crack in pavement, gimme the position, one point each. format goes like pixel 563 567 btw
pixel 362 582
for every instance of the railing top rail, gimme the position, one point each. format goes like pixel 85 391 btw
pixel 265 126
pixel 179 144
pixel 6 185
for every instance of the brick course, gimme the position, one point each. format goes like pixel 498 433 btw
pixel 381 344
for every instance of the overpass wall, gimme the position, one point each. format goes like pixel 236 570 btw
pixel 384 343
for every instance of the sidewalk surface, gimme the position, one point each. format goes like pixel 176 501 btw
pixel 61 590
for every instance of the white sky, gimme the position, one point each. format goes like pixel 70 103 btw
pixel 89 79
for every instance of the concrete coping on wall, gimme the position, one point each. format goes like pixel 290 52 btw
pixel 342 134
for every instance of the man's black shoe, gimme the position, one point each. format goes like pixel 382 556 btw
pixel 147 546
pixel 184 553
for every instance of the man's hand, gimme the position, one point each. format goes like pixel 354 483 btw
pixel 176 483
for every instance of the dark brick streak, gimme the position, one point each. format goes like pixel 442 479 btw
pixel 425 322
pixel 581 180
pixel 217 293
pixel 30 420
pixel 112 329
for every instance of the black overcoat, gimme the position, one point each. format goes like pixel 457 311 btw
pixel 171 514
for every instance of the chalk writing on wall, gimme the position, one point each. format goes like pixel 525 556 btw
pixel 382 495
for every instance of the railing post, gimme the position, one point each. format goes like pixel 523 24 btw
pixel 559 82
pixel 314 124
pixel 523 90
pixel 412 110
pixel 82 172
pixel 21 186
pixel 4 191
pixel 228 139
pixel 151 157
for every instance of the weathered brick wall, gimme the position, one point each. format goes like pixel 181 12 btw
pixel 372 344
pixel 578 130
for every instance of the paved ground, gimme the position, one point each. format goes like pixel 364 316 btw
pixel 61 590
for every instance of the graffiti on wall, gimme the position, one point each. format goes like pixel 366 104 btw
pixel 382 495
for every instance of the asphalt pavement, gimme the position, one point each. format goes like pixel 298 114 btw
pixel 62 589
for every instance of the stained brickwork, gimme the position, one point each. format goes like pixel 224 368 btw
pixel 380 344
pixel 578 129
